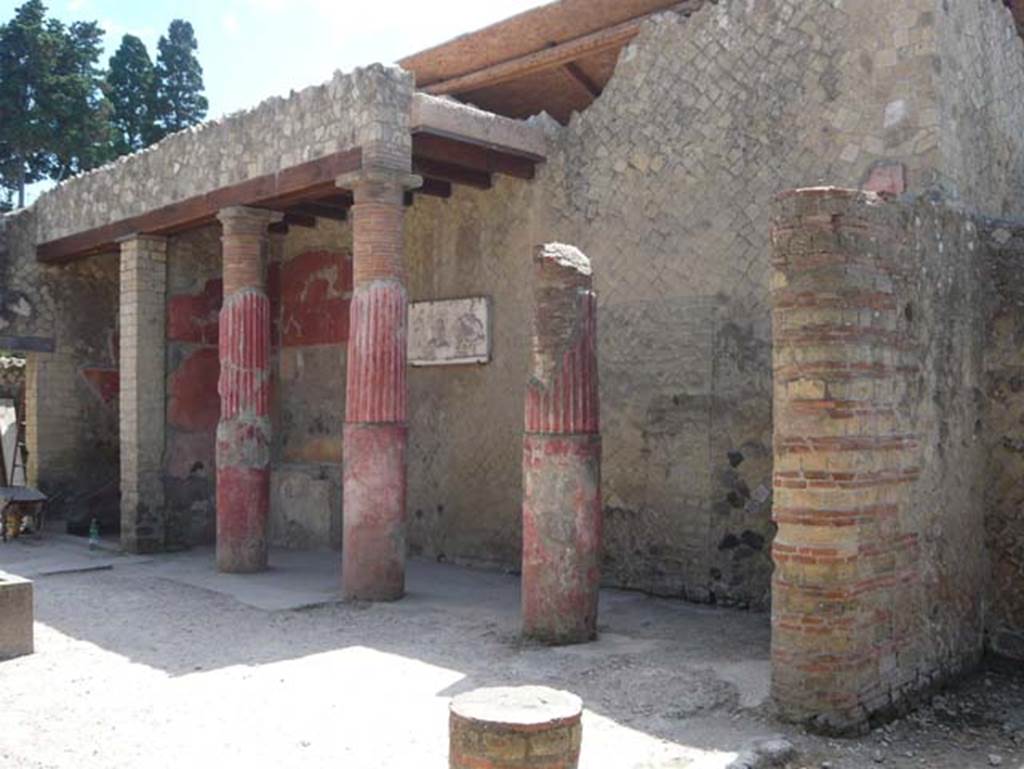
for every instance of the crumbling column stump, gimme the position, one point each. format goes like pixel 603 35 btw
pixel 243 433
pixel 16 616
pixel 523 727
pixel 562 514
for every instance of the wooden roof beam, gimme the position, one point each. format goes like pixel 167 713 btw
pixel 549 58
pixel 576 73
pixel 444 149
pixel 450 172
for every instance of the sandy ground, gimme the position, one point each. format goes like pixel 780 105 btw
pixel 162 663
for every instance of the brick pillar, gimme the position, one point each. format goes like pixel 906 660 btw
pixel 243 433
pixel 142 410
pixel 562 454
pixel 845 566
pixel 373 538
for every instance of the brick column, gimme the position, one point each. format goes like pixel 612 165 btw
pixel 142 410
pixel 373 538
pixel 515 727
pixel 843 607
pixel 562 514
pixel 243 433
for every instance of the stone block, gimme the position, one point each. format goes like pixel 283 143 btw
pixel 16 616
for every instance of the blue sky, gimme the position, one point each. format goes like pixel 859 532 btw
pixel 252 49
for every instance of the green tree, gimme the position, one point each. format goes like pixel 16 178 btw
pixel 28 49
pixel 79 110
pixel 179 80
pixel 53 116
pixel 131 88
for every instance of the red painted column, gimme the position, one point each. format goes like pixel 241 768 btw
pixel 243 433
pixel 374 482
pixel 562 516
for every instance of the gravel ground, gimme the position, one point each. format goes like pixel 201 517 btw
pixel 134 669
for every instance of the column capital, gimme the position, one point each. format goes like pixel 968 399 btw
pixel 378 184
pixel 247 218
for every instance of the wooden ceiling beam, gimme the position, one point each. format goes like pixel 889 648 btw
pixel 556 56
pixel 450 172
pixel 320 211
pixel 261 192
pixel 582 78
pixel 444 149
pixel 437 188
pixel 297 219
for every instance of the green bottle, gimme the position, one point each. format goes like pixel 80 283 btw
pixel 94 534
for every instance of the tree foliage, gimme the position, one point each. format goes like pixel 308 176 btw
pixel 61 113
pixel 179 98
pixel 131 88
pixel 54 119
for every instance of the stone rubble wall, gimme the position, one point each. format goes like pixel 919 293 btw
pixel 668 181
pixel 367 108
pixel 1004 435
pixel 979 76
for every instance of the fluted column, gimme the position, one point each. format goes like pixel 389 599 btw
pixel 243 433
pixel 562 517
pixel 374 485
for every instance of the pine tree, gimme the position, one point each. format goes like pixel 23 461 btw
pixel 179 93
pixel 28 48
pixel 82 135
pixel 131 88
pixel 53 116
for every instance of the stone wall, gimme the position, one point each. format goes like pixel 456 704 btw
pixel 881 566
pixel 1004 432
pixel 668 191
pixel 366 108
pixel 72 394
pixel 979 79
pixel 466 421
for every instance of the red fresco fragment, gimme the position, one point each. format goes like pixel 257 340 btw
pixel 315 290
pixel 194 403
pixel 193 317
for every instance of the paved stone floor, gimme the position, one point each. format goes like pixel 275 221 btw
pixel 161 662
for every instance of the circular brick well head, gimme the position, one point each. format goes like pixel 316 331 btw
pixel 515 727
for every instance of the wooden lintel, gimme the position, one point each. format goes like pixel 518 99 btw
pixel 450 172
pixel 263 191
pixel 442 149
pixel 549 58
